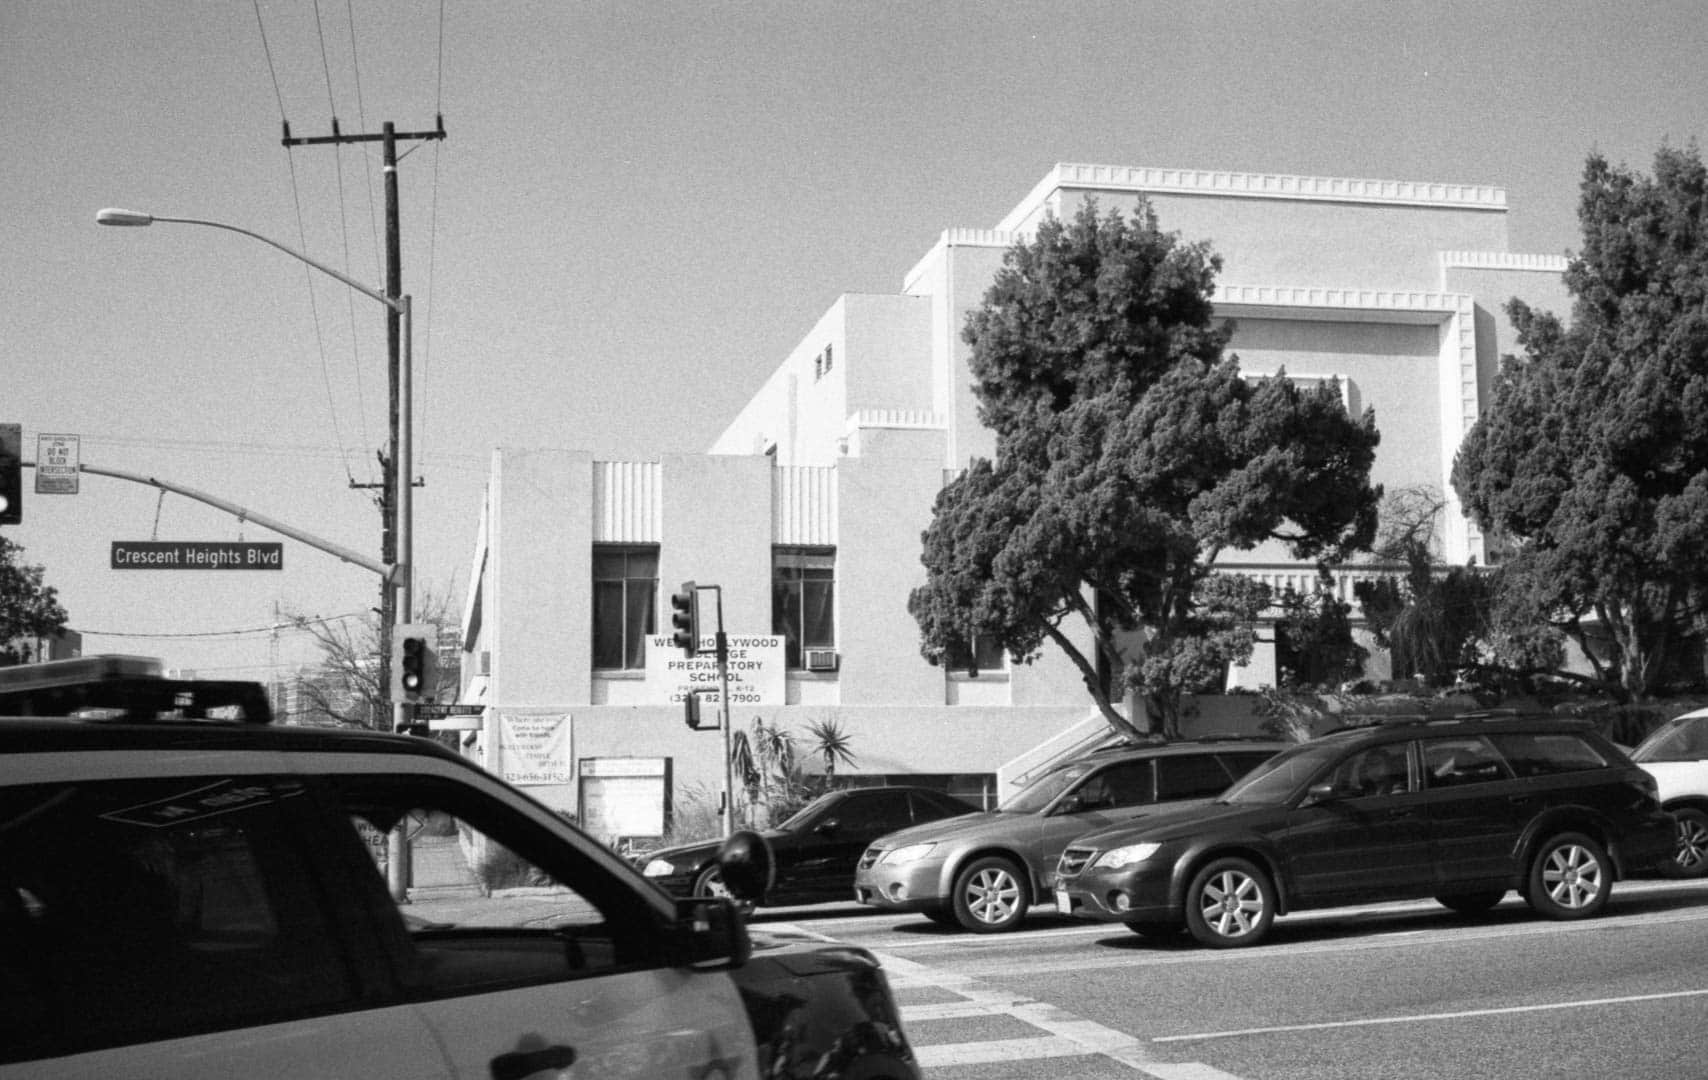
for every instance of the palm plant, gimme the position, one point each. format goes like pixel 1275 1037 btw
pixel 830 742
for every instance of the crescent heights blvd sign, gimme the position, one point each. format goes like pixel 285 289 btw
pixel 197 555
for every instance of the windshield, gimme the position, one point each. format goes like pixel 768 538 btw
pixel 1043 791
pixel 1276 780
pixel 1683 738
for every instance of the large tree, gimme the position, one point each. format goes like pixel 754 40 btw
pixel 1130 454
pixel 29 608
pixel 1592 458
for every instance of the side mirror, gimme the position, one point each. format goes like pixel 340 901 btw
pixel 711 934
pixel 748 866
pixel 828 827
pixel 1322 793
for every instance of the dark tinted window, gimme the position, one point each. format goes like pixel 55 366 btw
pixel 1240 762
pixel 929 806
pixel 1125 783
pixel 1464 759
pixel 1547 753
pixel 1377 770
pixel 1195 776
pixel 878 809
pixel 140 910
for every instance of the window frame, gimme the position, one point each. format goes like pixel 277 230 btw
pixel 631 648
pixel 796 646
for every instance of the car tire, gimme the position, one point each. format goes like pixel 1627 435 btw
pixel 1472 903
pixel 991 895
pixel 710 882
pixel 1690 859
pixel 1570 877
pixel 1230 904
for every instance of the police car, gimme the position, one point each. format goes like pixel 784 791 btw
pixel 189 890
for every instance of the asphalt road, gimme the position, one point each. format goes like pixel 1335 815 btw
pixel 1390 992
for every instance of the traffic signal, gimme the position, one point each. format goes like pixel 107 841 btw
pixel 691 710
pixel 11 474
pixel 685 619
pixel 414 661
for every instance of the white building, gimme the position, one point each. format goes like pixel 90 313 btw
pixel 808 510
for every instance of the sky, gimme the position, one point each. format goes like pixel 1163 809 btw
pixel 639 208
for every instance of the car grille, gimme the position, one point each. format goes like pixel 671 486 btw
pixel 871 856
pixel 1073 860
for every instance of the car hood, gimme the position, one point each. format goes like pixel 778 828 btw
pixel 986 823
pixel 1173 824
pixel 696 852
pixel 1675 779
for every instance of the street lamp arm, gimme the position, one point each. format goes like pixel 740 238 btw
pixel 391 574
pixel 114 216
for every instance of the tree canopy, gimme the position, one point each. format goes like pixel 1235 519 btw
pixel 29 608
pixel 1130 453
pixel 1592 457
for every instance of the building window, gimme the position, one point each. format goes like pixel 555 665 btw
pixel 803 603
pixel 625 597
pixel 982 653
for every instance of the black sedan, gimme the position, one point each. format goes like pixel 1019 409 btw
pixel 815 851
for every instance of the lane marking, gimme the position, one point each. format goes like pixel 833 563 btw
pixel 1426 1017
pixel 1067 1035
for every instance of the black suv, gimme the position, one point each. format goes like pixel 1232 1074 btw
pixel 1462 809
pixel 189 890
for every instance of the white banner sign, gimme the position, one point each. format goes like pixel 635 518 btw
pixel 756 670
pixel 57 459
pixel 534 749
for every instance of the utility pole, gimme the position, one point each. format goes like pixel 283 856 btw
pixel 397 599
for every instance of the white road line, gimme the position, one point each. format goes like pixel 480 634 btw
pixel 1425 1017
pixel 1067 1035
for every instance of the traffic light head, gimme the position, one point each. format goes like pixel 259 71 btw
pixel 11 474
pixel 413 662
pixel 685 619
pixel 691 711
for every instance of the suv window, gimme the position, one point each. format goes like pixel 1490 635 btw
pixel 1548 753
pixel 1464 759
pixel 1378 770
pixel 493 903
pixel 1125 783
pixel 1190 776
pixel 148 909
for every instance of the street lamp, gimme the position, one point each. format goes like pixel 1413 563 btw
pixel 403 508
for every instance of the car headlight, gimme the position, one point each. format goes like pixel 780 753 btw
pixel 901 856
pixel 658 868
pixel 1116 858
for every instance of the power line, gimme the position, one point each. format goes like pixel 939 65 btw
pixel 293 624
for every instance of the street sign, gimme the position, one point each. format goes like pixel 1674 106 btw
pixel 426 710
pixel 56 464
pixel 197 555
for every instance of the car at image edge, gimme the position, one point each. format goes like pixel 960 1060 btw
pixel 1676 755
pixel 1463 810
pixel 189 890
pixel 984 871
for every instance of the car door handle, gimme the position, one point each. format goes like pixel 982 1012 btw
pixel 1518 800
pixel 514 1066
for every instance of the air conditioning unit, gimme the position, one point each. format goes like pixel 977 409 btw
pixel 822 660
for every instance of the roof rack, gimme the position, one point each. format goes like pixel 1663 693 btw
pixel 127 689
